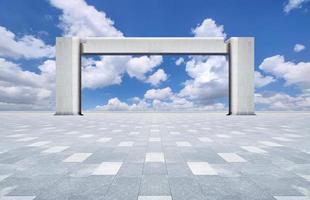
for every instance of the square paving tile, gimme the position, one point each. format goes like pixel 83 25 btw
pixel 154 156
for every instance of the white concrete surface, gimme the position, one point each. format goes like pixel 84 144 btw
pixel 149 45
pixel 241 76
pixel 68 76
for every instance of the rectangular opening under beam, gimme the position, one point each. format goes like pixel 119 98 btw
pixel 153 45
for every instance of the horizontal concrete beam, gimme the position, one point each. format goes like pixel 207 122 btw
pixel 159 45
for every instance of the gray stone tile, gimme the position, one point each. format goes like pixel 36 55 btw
pixel 123 188
pixel 131 170
pixel 154 185
pixel 154 169
pixel 242 188
pixel 280 171
pixel 93 187
pixel 178 170
pixel 185 188
pixel 277 186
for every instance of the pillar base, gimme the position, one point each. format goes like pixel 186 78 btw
pixel 67 114
pixel 228 114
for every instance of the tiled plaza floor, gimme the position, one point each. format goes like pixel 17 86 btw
pixel 155 156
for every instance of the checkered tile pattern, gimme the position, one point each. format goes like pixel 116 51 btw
pixel 155 156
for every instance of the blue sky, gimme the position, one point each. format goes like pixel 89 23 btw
pixel 282 61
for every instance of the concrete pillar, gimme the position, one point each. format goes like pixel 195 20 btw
pixel 241 75
pixel 68 76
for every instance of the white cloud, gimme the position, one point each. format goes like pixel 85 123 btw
pixel 27 46
pixel 139 104
pixel 209 79
pixel 214 107
pixel 159 94
pixel 21 89
pixel 282 101
pixel 20 107
pixel 209 28
pixel 12 73
pixel 292 73
pixel 83 20
pixel 138 66
pixel 174 105
pixel 96 74
pixel 299 48
pixel 78 19
pixel 179 61
pixel 180 103
pixel 261 81
pixel 166 100
pixel 107 71
pixel 114 104
pixel 209 74
pixel 293 4
pixel 158 77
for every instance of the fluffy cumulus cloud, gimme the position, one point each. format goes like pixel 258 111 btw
pixel 109 70
pixel 299 48
pixel 261 80
pixel 158 77
pixel 174 104
pixel 283 101
pixel 209 74
pixel 114 104
pixel 292 73
pixel 83 20
pixel 138 66
pixel 27 46
pixel 23 90
pixel 209 79
pixel 179 61
pixel 293 4
pixel 209 28
pixel 159 94
pixel 154 99
pixel 158 100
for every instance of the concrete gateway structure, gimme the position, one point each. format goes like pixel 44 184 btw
pixel 69 50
